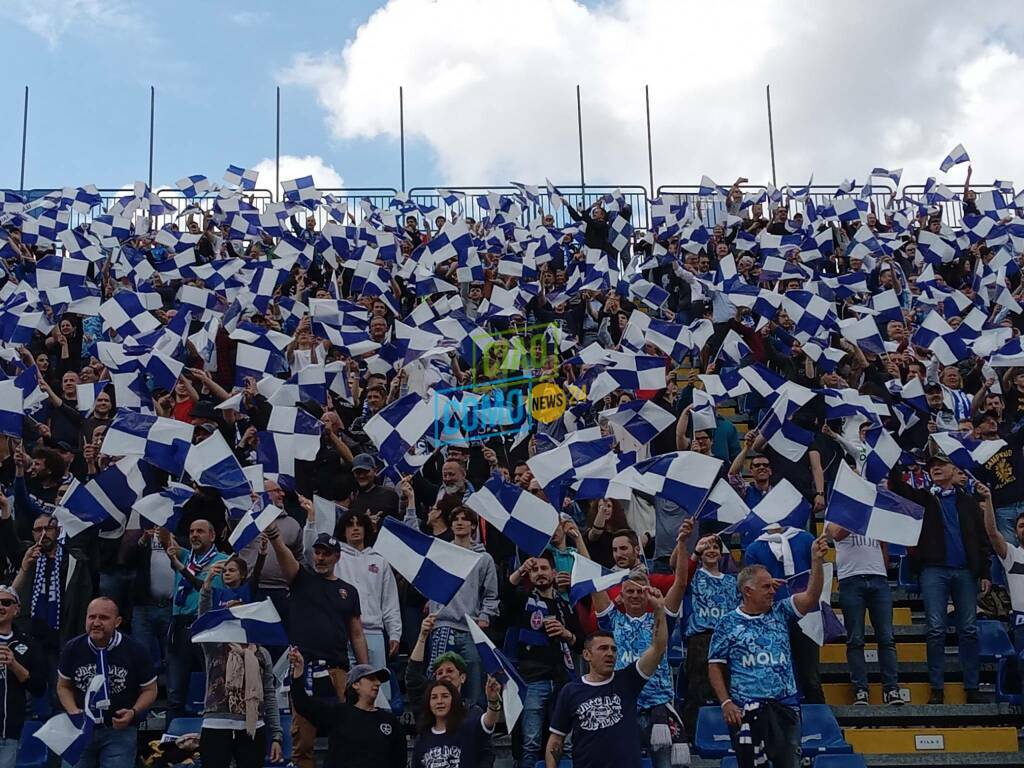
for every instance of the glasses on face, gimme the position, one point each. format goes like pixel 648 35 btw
pixel 43 528
pixel 7 603
pixel 759 466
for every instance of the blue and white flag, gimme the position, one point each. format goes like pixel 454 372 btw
pixel 734 349
pixel 1010 355
pixel 966 452
pixel 400 425
pixel 258 623
pixel 498 666
pixel 882 453
pixel 724 505
pixel 103 500
pixel 643 420
pixel 894 175
pixel 783 435
pixel 253 523
pixel 12 412
pixel 864 333
pixel 861 507
pixel 164 443
pixel 524 518
pixel 684 477
pixel 194 185
pixel 241 177
pixel 163 509
pixel 436 568
pixel 302 191
pixel 126 316
pixel 588 577
pixel 820 623
pixel 912 393
pixel 782 506
pixel 956 156
pixel 212 463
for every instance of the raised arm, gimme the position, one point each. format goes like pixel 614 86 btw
pixel 994 536
pixel 674 598
pixel 285 559
pixel 682 427
pixel 648 662
pixel 807 601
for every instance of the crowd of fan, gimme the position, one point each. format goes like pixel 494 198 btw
pixel 735 297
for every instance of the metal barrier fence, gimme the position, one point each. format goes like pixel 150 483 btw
pixel 580 198
pixel 378 196
pixel 711 210
pixel 952 210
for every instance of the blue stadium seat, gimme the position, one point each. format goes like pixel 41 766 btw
pixel 1008 682
pixel 675 646
pixel 286 743
pixel 32 753
pixel 997 574
pixel 839 761
pixel 712 738
pixel 565 762
pixel 729 761
pixel 179 726
pixel 195 700
pixel 908 580
pixel 819 731
pixel 993 641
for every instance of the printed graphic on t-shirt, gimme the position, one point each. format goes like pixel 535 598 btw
pixel 117 677
pixel 447 756
pixel 599 712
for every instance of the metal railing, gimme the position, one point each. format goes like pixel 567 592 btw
pixel 711 210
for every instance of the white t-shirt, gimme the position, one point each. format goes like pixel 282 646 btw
pixel 859 556
pixel 1013 564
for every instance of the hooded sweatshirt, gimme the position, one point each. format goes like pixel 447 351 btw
pixel 371 575
pixel 478 596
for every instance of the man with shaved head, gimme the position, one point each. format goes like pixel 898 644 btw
pixel 190 572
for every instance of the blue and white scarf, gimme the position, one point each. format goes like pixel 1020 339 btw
pixel 46 592
pixel 193 566
pixel 101 699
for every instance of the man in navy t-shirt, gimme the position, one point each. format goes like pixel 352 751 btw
pixel 599 709
pixel 752 643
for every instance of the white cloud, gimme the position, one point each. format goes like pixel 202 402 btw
pixel 294 167
pixel 490 87
pixel 51 19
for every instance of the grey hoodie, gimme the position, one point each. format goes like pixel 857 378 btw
pixel 478 596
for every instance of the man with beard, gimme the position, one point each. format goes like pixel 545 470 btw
pixel 372 498
pixel 548 635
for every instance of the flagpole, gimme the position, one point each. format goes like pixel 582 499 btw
pixel 650 153
pixel 152 110
pixel 401 131
pixel 24 139
pixel 277 148
pixel 579 124
pixel 771 136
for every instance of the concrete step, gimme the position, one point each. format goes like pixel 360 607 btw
pixel 910 739
pixel 841 694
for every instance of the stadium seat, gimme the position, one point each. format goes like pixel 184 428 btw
pixel 1008 682
pixel 179 726
pixel 819 731
pixel 32 753
pixel 908 579
pixel 712 737
pixel 286 743
pixel 563 763
pixel 839 761
pixel 196 698
pixel 675 646
pixel 993 641
pixel 997 573
pixel 729 761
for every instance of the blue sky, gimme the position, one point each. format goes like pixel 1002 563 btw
pixel 490 89
pixel 214 69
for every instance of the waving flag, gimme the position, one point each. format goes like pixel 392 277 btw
pixel 522 517
pixel 436 568
pixel 258 623
pixel 212 463
pixel 302 191
pixel 783 505
pixel 863 508
pixel 498 666
pixel 966 452
pixel 241 177
pixel 1009 355
pixel 588 577
pixel 164 443
pixel 100 501
pixel 820 623
pixel 724 505
pixel 400 425
pixel 126 316
pixel 12 412
pixel 783 435
pixel 956 156
pixel 253 523
pixel 684 477
pixel 67 736
pixel 163 509
pixel 642 419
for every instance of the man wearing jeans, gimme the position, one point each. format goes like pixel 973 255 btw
pixel 953 557
pixel 547 637
pixel 864 588
pixel 750 648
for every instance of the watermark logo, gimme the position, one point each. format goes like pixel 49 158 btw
pixel 511 386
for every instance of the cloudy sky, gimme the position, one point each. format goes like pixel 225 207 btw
pixel 490 89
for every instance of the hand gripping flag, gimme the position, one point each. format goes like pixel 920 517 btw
pixel 588 577
pixel 525 519
pixel 863 508
pixel 498 666
pixel 436 568
pixel 253 523
pixel 67 736
pixel 163 509
pixel 258 623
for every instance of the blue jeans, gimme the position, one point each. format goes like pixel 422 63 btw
pixel 661 758
pixel 110 748
pixel 8 753
pixel 1006 519
pixel 461 642
pixel 938 585
pixel 540 697
pixel 377 656
pixel 182 660
pixel 858 594
pixel 150 626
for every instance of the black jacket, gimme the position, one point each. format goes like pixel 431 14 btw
pixel 12 692
pixel 931 547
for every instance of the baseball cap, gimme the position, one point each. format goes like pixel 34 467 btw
pixel 360 671
pixel 327 541
pixel 363 461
